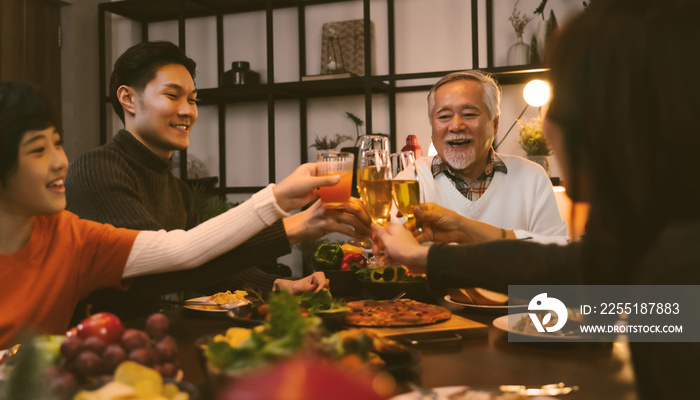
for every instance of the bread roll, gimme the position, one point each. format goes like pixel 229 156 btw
pixel 478 296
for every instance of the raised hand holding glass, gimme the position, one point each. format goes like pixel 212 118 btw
pixel 335 163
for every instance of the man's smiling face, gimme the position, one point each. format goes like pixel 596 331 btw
pixel 463 131
pixel 164 112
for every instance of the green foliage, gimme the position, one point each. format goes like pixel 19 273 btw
pixel 282 334
pixel 26 381
pixel 207 206
pixel 552 24
pixel 321 301
pixel 540 8
pixel 325 144
pixel 358 124
pixel 534 56
pixel 532 139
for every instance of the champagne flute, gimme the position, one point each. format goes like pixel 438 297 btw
pixel 375 191
pixel 405 188
pixel 375 184
pixel 367 142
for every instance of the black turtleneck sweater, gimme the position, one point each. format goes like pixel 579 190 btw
pixel 124 184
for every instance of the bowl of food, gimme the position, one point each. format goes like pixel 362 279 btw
pixel 339 263
pixel 343 283
pixel 388 282
pixel 330 309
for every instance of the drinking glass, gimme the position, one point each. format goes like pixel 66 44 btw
pixel 374 180
pixel 405 188
pixel 369 142
pixel 335 163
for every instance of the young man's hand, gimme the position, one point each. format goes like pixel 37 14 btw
pixel 297 190
pixel 316 222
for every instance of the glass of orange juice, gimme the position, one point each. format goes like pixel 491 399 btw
pixel 335 163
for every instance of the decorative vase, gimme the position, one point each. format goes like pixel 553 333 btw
pixel 518 53
pixel 544 161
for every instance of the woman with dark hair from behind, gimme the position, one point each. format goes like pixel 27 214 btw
pixel 623 120
pixel 626 100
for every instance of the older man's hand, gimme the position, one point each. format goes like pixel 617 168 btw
pixel 439 224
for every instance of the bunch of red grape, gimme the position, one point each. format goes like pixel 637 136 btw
pixel 92 350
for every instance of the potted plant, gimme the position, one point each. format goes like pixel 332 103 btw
pixel 325 144
pixel 533 141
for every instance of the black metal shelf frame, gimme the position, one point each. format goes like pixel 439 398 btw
pixel 149 11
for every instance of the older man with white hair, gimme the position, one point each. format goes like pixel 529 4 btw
pixel 501 196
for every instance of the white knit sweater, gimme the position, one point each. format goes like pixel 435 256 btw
pixel 161 251
pixel 522 200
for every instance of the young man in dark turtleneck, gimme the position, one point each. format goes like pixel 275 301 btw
pixel 128 183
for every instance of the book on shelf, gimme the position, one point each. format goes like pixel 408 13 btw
pixel 323 77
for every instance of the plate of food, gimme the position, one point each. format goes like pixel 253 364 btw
pixel 482 300
pixel 322 304
pixel 521 324
pixel 199 304
pixel 394 313
pixel 287 331
pixel 466 393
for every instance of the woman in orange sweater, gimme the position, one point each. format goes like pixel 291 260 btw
pixel 50 259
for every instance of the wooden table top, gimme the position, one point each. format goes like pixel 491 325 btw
pixel 484 359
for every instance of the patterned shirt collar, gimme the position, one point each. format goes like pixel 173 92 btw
pixel 478 187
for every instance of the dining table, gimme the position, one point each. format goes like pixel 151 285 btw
pixel 482 359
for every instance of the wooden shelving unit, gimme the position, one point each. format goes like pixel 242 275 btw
pixel 146 12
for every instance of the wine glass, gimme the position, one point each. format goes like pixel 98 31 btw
pixel 405 188
pixel 375 191
pixel 375 184
pixel 367 143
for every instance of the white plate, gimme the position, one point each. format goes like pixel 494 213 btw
pixel 483 307
pixel 444 392
pixel 502 324
pixel 199 308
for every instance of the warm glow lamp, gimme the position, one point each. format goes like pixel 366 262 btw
pixel 536 93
